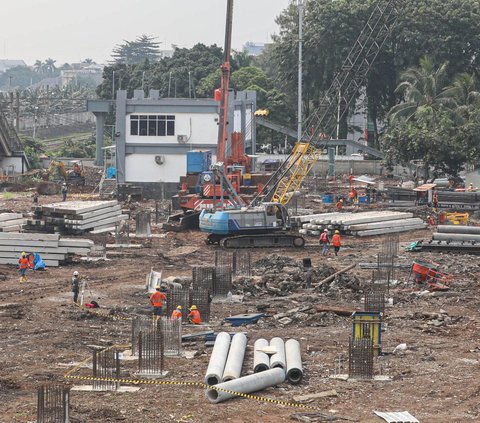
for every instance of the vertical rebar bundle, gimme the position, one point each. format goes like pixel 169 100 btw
pixel 375 301
pixel 106 365
pixel 151 352
pixel 139 324
pixel 172 335
pixel 238 261
pixel 360 358
pixel 178 296
pixel 202 299
pixel 202 277
pixel 53 404
pixel 222 281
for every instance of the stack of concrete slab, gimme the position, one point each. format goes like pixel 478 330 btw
pixel 52 249
pixel 454 238
pixel 360 224
pixel 11 222
pixel 76 217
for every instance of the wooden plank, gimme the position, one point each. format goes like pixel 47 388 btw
pixel 30 236
pixel 10 216
pixel 77 207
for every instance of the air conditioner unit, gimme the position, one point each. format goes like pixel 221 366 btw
pixel 182 139
pixel 159 160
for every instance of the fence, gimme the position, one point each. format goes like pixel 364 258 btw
pixel 53 404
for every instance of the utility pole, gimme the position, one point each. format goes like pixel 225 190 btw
pixel 143 80
pixel 301 11
pixel 190 84
pixel 113 85
pixel 169 84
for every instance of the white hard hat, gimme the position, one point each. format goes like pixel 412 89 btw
pixel 75 273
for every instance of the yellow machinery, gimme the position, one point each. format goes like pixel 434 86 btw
pixel 57 171
pixel 368 324
pixel 457 218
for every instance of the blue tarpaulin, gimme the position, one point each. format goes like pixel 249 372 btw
pixel 38 263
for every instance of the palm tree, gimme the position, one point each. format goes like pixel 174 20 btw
pixel 50 66
pixel 423 87
pixel 38 66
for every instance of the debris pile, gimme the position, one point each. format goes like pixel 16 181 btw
pixel 11 222
pixel 76 217
pixel 279 276
pixel 53 250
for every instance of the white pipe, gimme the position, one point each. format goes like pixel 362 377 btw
pixel 218 359
pixel 261 361
pixel 457 229
pixel 278 359
pixel 233 366
pixel 456 237
pixel 245 385
pixel 294 361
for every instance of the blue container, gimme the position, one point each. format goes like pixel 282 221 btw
pixel 198 161
pixel 327 198
pixel 363 200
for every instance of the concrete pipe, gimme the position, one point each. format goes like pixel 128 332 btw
pixel 294 361
pixel 233 366
pixel 456 237
pixel 457 229
pixel 218 359
pixel 261 361
pixel 278 359
pixel 245 385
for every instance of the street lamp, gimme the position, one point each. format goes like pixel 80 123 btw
pixel 35 122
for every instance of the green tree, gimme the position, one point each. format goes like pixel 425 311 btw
pixel 143 48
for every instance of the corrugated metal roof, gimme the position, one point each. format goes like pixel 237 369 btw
pixel 425 187
pixel 397 417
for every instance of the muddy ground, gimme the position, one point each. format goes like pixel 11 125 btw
pixel 42 335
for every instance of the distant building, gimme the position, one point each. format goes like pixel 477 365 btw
pixel 254 49
pixel 72 76
pixel 6 64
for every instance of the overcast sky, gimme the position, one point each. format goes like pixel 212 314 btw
pixel 72 30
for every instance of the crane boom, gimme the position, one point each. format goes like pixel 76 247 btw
pixel 340 96
pixel 224 86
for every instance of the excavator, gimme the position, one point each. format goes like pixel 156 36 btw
pixel 58 172
pixel 264 223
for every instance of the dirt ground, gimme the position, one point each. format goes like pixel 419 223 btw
pixel 42 335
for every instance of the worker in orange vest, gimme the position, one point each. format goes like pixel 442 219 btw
pixel 24 264
pixel 177 313
pixel 336 242
pixel 194 315
pixel 353 195
pixel 431 221
pixel 156 300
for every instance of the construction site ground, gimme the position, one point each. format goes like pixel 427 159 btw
pixel 42 336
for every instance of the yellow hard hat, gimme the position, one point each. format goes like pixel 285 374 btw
pixel 179 307
pixel 193 307
pixel 24 254
pixel 157 287
pixel 337 232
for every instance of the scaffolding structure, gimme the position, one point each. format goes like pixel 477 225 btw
pixel 53 404
pixel 106 365
pixel 360 358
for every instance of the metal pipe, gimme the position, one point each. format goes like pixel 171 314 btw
pixel 245 385
pixel 261 361
pixel 457 229
pixel 218 359
pixel 278 359
pixel 233 366
pixel 294 361
pixel 456 237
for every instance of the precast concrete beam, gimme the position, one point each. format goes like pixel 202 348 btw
pixel 245 385
pixel 457 229
pixel 294 361
pixel 233 366
pixel 456 237
pixel 216 365
pixel 261 361
pixel 278 359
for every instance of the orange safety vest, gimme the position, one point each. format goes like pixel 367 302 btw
pixel 324 238
pixel 156 299
pixel 195 315
pixel 24 263
pixel 336 240
pixel 176 314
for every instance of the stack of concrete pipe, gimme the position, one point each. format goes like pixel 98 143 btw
pixel 457 233
pixel 227 359
pixel 362 224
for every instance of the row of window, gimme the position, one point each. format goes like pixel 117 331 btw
pixel 152 125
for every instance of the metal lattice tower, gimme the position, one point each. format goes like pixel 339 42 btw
pixel 337 100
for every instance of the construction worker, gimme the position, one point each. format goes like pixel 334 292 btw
pixel 75 286
pixel 156 300
pixel 324 242
pixel 470 187
pixel 434 199
pixel 23 265
pixel 339 204
pixel 64 191
pixel 352 195
pixel 177 313
pixel 194 315
pixel 35 198
pixel 431 221
pixel 336 242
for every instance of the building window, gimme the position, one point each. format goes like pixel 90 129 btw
pixel 152 125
